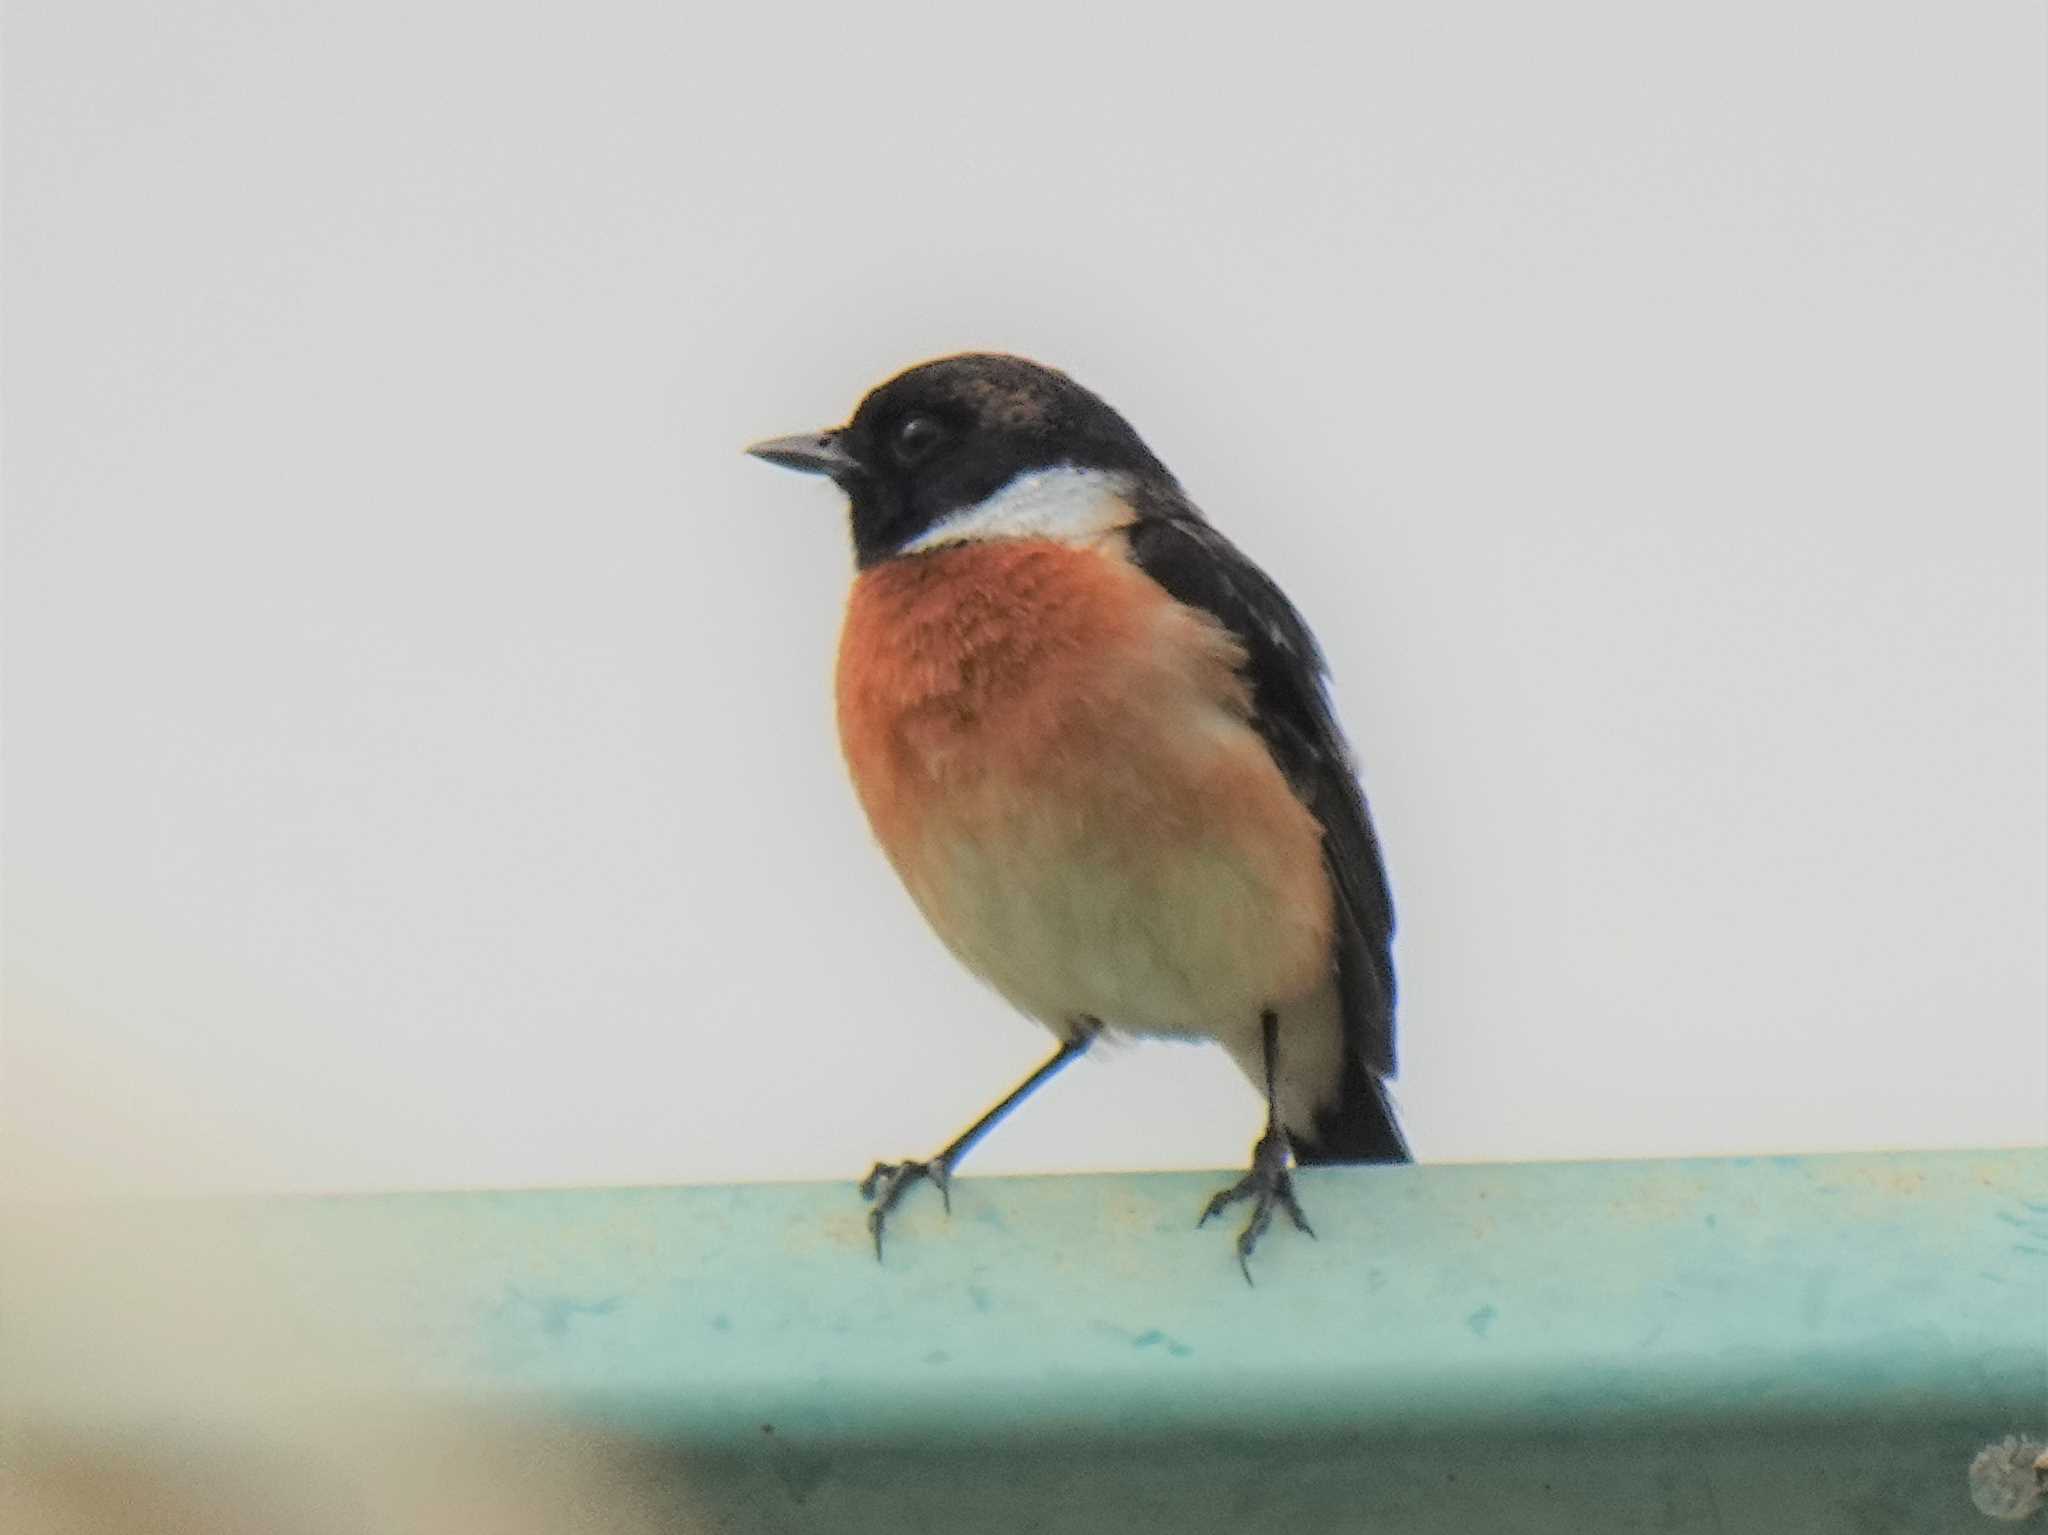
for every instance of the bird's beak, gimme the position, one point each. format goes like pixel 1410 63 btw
pixel 808 453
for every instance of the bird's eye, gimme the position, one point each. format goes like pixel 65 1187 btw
pixel 916 439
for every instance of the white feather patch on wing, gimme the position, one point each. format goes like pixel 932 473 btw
pixel 1066 504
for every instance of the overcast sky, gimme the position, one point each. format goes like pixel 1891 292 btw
pixel 420 767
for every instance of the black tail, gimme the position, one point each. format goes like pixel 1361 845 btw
pixel 1358 1126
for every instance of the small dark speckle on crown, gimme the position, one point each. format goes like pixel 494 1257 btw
pixel 1006 397
pixel 1002 392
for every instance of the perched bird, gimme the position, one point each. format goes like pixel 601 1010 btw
pixel 1096 742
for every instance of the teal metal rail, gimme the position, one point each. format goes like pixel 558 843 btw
pixel 1797 1344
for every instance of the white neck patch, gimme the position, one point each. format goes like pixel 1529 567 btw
pixel 1066 504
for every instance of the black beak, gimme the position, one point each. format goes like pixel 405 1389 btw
pixel 808 453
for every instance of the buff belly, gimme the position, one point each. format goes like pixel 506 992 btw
pixel 1058 761
pixel 1069 913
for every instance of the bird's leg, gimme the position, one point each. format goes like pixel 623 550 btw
pixel 1269 1182
pixel 886 1181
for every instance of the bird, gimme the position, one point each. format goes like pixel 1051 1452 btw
pixel 1097 744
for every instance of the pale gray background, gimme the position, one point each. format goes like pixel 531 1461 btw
pixel 420 761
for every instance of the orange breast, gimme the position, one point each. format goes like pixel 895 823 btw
pixel 1056 758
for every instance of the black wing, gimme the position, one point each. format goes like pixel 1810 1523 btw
pixel 1289 679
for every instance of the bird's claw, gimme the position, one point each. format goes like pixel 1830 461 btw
pixel 1269 1183
pixel 887 1182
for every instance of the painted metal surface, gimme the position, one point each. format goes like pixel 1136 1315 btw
pixel 1810 1344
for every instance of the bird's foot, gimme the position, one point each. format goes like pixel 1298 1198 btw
pixel 887 1182
pixel 1269 1183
